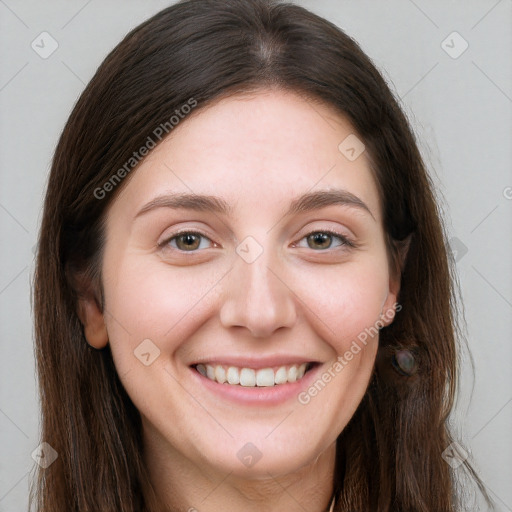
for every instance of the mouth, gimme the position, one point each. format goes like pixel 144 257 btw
pixel 251 377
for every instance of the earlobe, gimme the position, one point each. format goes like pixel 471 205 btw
pixel 93 321
pixel 389 307
pixel 388 311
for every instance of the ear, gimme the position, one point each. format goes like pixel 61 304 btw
pixel 93 321
pixel 403 249
pixel 390 306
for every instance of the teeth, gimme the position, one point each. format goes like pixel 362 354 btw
pixel 265 377
pixel 248 377
pixel 220 374
pixel 233 375
pixel 281 376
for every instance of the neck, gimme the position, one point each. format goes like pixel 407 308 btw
pixel 198 486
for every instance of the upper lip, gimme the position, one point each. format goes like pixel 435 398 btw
pixel 254 362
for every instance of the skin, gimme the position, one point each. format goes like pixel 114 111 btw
pixel 257 152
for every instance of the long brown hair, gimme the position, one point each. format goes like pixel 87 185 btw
pixel 389 457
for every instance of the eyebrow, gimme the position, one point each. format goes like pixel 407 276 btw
pixel 208 203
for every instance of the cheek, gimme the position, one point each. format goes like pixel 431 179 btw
pixel 344 312
pixel 346 301
pixel 154 301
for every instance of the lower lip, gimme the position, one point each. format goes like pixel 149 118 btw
pixel 264 395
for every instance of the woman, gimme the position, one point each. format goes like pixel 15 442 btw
pixel 243 298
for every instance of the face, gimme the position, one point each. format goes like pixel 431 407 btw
pixel 250 283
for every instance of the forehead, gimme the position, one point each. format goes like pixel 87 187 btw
pixel 255 149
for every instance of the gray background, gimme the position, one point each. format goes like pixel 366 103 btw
pixel 460 109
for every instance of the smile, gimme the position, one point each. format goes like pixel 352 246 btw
pixel 249 377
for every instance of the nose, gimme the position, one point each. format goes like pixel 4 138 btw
pixel 257 297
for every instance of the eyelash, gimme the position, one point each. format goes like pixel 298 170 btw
pixel 345 241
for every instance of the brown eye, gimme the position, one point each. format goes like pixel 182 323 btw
pixel 186 241
pixel 319 240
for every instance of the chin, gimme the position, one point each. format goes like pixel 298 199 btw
pixel 262 457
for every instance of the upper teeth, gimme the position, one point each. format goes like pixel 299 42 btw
pixel 249 377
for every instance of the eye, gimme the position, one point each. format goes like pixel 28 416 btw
pixel 190 241
pixel 186 241
pixel 320 240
